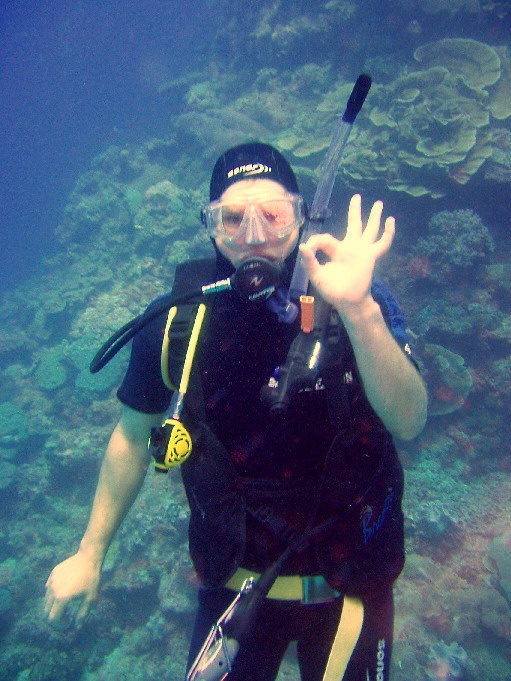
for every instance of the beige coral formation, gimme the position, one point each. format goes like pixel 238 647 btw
pixel 439 118
pixel 477 63
pixel 427 124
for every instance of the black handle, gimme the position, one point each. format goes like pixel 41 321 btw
pixel 357 98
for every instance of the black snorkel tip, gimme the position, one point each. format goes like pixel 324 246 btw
pixel 357 98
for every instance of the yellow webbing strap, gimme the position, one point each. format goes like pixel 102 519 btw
pixel 190 352
pixel 165 351
pixel 350 626
pixel 192 346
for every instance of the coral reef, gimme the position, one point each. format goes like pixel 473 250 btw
pixel 163 212
pixel 434 121
pixel 50 373
pixel 446 661
pixel 12 423
pixel 448 379
pixel 7 474
pixel 424 126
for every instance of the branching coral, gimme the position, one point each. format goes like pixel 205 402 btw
pixel 456 240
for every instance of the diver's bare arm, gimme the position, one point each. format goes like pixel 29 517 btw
pixel 391 382
pixel 122 474
pixel 121 477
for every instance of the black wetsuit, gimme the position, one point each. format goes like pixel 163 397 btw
pixel 361 555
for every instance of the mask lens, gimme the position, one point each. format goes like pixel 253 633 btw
pixel 278 216
pixel 231 218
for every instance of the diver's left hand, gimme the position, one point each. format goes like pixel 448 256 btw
pixel 345 279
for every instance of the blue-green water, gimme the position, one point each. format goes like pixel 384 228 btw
pixel 124 180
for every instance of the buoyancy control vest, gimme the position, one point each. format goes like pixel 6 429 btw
pixel 360 484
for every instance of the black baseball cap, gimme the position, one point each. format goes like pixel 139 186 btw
pixel 253 160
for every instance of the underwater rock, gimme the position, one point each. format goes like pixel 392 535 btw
pixel 13 427
pixel 176 595
pixel 500 552
pixel 496 614
pixel 51 373
pixel 8 472
pixel 432 524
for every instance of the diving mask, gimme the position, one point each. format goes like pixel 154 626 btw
pixel 254 222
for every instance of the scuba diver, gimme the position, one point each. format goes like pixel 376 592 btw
pixel 311 480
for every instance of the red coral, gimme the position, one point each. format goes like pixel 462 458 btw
pixel 444 393
pixel 439 622
pixel 419 267
pixel 463 441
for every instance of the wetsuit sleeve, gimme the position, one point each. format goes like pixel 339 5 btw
pixel 143 388
pixel 392 314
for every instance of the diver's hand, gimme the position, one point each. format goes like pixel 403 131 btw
pixel 345 280
pixel 76 577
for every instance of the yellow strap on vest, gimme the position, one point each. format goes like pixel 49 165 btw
pixel 192 346
pixel 350 626
pixel 165 351
pixel 190 352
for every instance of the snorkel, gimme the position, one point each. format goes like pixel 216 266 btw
pixel 301 368
pixel 319 211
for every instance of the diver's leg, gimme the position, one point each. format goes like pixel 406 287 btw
pixel 371 657
pixel 318 628
pixel 260 658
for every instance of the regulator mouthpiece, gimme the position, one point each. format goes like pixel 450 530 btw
pixel 257 278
